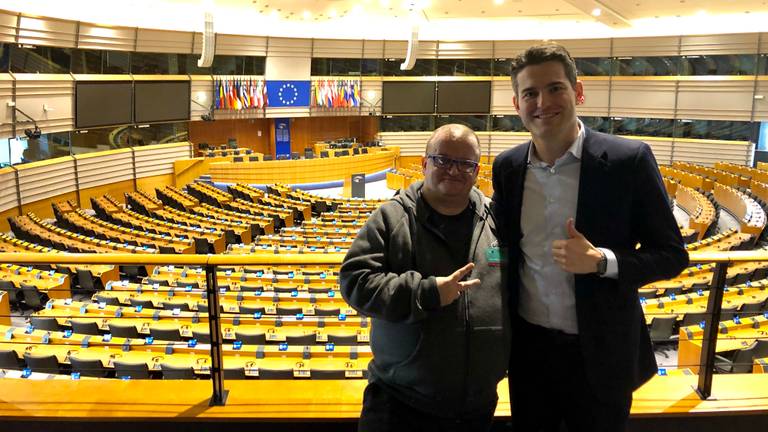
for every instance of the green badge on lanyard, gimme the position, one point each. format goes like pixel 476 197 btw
pixel 493 256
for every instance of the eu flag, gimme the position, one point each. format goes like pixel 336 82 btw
pixel 288 93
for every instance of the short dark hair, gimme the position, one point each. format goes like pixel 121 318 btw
pixel 543 53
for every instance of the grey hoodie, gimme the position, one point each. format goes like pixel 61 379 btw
pixel 443 360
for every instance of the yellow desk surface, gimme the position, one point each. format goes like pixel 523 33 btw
pixel 307 399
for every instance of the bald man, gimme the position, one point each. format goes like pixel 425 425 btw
pixel 425 267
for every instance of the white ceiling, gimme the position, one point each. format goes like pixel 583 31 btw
pixel 437 19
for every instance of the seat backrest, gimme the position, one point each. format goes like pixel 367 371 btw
pixel 342 339
pixel 177 372
pixel 234 373
pixel 307 339
pixel 661 328
pixel 165 334
pixel 129 369
pixel 88 367
pixel 265 373
pixel 742 361
pixel 109 300
pixel 326 374
pixel 182 306
pixel 251 338
pixel 85 327
pixel 32 296
pixel 127 331
pixel 9 360
pixel 45 323
pixel 201 337
pixel 42 363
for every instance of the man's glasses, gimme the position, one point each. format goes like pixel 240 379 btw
pixel 444 162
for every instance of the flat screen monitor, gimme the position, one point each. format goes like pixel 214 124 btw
pixel 467 97
pixel 100 103
pixel 403 97
pixel 161 101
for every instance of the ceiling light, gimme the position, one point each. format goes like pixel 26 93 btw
pixel 498 2
pixel 384 3
pixel 306 14
pixel 596 12
pixel 332 13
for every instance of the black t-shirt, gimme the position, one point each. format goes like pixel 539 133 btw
pixel 457 230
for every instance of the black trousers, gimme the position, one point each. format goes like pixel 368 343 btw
pixel 384 413
pixel 549 386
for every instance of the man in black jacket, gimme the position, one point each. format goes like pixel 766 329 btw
pixel 440 341
pixel 586 221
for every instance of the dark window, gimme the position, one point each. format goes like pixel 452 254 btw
pixel 191 67
pixel 86 61
pixel 425 67
pixel 416 123
pixel 98 139
pixel 115 62
pixel 477 123
pixel 762 65
pixel 713 129
pixel 600 124
pixel 5 55
pixel 502 67
pixel 48 146
pixel 40 60
pixel 597 66
pixel 237 65
pixel 507 123
pixel 156 64
pixel 743 64
pixel 335 66
pixel 464 67
pixel 642 126
pixel 159 133
pixel 646 66
pixel 370 67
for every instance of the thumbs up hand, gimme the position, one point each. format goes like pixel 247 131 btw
pixel 575 254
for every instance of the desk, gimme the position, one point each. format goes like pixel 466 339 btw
pixel 56 285
pixel 739 336
pixel 303 170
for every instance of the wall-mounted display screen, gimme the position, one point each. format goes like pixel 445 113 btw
pixel 404 97
pixel 464 97
pixel 160 101
pixel 99 103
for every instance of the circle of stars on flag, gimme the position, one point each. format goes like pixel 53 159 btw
pixel 284 90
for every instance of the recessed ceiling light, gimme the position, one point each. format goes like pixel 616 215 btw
pixel 498 2
pixel 332 13
pixel 597 12
pixel 306 14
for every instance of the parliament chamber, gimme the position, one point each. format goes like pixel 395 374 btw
pixel 171 231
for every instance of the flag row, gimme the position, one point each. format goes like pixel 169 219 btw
pixel 239 93
pixel 336 94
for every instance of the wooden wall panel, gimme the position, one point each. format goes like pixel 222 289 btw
pixel 306 131
pixel 47 32
pixel 155 160
pixel 465 49
pixel 8 23
pixel 164 41
pixel 45 179
pixel 101 168
pixel 252 134
pixel 8 195
pixel 410 143
pixel 43 207
pixel 746 43
pixel 501 97
pixel 761 102
pixel 597 95
pixel 227 44
pixel 588 47
pixel 707 152
pixel 285 47
pixel 715 99
pixel 95 36
pixel 373 49
pixel 117 190
pixel 501 141
pixel 6 96
pixel 337 48
pixel 643 98
pixel 509 49
pixel 646 46
pixel 35 92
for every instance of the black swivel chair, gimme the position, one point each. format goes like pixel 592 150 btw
pixel 33 297
pixel 327 374
pixel 181 306
pixel 45 323
pixel 250 310
pixel 167 250
pixel 13 292
pixel 234 373
pixel 662 328
pixel 306 339
pixel 109 300
pixel 87 282
pixel 345 340
pixel 270 374
pixel 9 360
pixel 201 337
pixel 85 327
pixel 165 334
pixel 251 338
pixel 145 303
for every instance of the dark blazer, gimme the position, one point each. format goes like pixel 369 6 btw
pixel 622 203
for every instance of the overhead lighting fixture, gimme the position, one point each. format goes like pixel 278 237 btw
pixel 597 12
pixel 498 2
pixel 306 14
pixel 332 13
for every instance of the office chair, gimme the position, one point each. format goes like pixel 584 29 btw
pixel 33 297
pixel 167 250
pixel 109 300
pixel 342 340
pixel 202 307
pixel 662 328
pixel 300 340
pixel 165 334
pixel 250 310
pixel 9 360
pixel 158 282
pixel 288 310
pixel 251 288
pixel 234 373
pixel 85 327
pixel 327 374
pixel 201 336
pixel 144 303
pixel 193 284
pixel 13 292
pixel 45 323
pixel 270 374
pixel 180 305
pixel 327 311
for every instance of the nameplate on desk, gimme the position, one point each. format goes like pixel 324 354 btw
pixel 353 352
pixel 330 347
pixel 736 319
pixel 29 329
pixel 192 343
pixel 700 293
pixel 155 286
pixel 138 308
pixel 300 316
pixel 196 318
pixel 188 288
pixel 170 292
pixel 75 375
pixel 46 338
pixel 342 317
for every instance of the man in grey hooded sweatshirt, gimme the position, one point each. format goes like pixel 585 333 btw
pixel 426 268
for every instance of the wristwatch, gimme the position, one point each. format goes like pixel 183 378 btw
pixel 602 265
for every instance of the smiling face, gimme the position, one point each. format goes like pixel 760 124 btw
pixel 546 103
pixel 450 183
